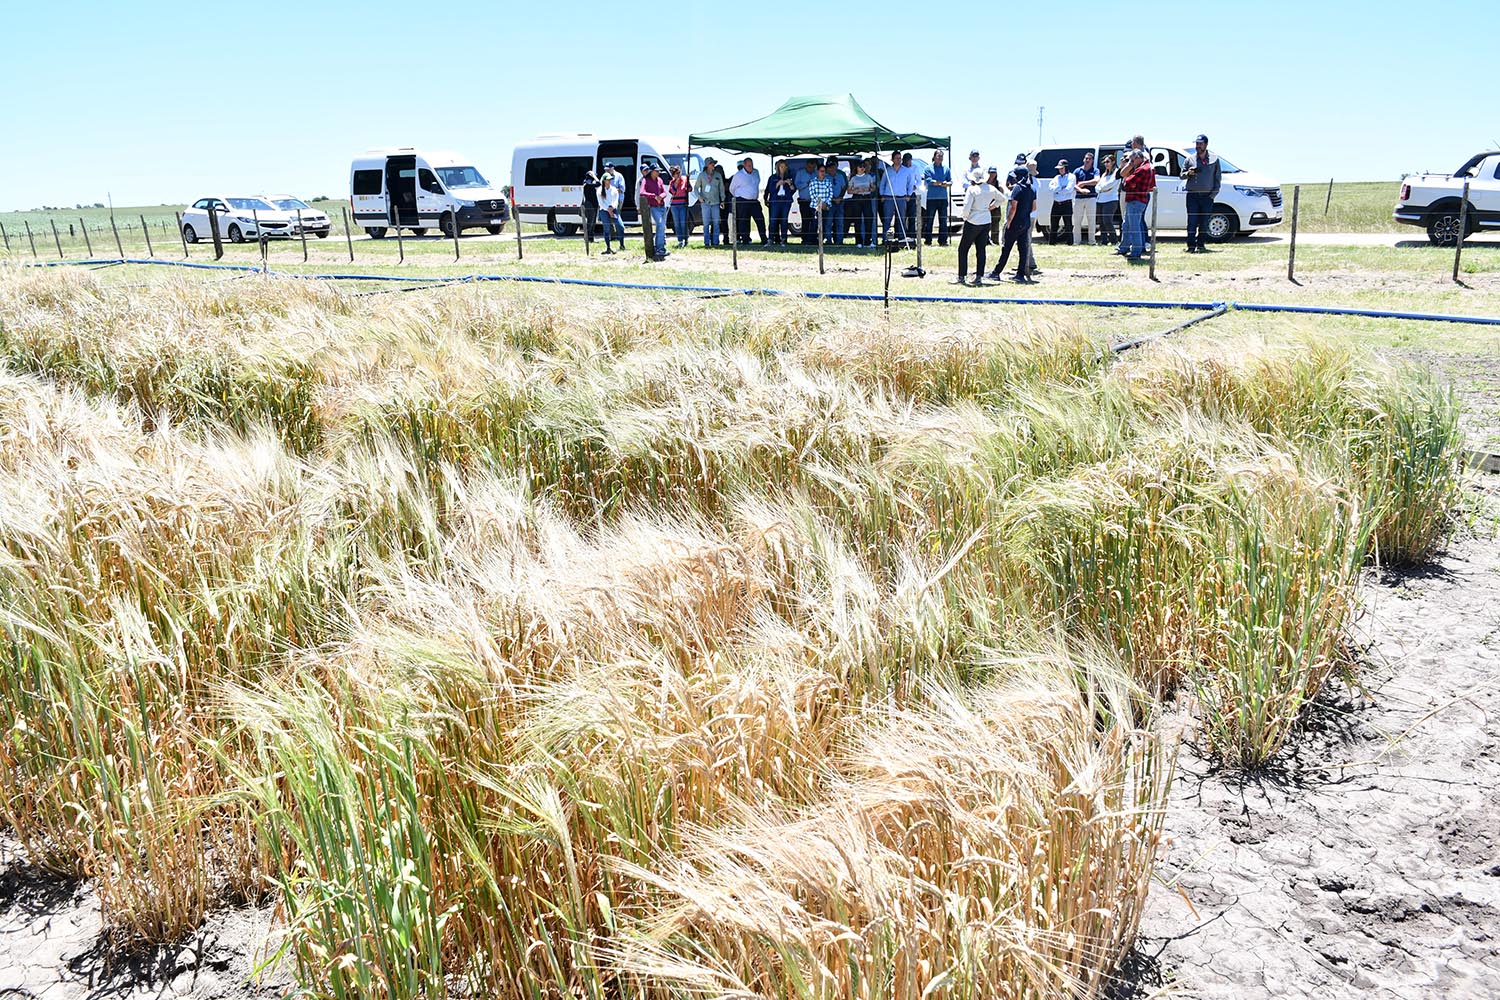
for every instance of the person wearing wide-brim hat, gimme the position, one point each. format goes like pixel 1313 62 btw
pixel 980 200
pixel 653 195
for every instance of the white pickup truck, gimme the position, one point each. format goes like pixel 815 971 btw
pixel 1433 200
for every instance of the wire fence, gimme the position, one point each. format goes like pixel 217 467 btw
pixel 986 231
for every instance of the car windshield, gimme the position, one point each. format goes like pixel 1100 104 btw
pixel 292 204
pixel 679 159
pixel 251 204
pixel 461 177
pixel 1224 165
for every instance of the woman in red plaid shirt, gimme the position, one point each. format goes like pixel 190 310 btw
pixel 1138 181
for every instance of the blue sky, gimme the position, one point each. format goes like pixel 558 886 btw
pixel 159 102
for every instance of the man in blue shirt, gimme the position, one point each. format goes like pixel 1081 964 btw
pixel 939 181
pixel 806 176
pixel 1085 178
pixel 896 187
pixel 840 182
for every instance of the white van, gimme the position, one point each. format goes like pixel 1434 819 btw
pixel 1247 202
pixel 546 174
pixel 405 188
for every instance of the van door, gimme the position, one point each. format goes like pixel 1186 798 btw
pixel 367 199
pixel 401 191
pixel 621 154
pixel 432 200
pixel 1171 212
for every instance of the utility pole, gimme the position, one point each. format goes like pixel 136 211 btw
pixel 1040 109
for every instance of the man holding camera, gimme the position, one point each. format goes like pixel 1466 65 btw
pixel 1201 176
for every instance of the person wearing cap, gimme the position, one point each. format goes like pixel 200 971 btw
pixel 744 188
pixel 939 180
pixel 862 204
pixel 1201 175
pixel 1108 191
pixel 981 199
pixel 611 199
pixel 588 204
pixel 997 219
pixel 653 196
pixel 1085 179
pixel 709 188
pixel 1138 181
pixel 1062 188
pixel 680 189
pixel 1020 203
pixel 973 166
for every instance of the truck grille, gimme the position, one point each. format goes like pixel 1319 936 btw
pixel 491 206
pixel 1276 197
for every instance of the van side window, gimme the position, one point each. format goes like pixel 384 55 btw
pixel 557 171
pixel 429 182
pixel 367 182
pixel 1166 163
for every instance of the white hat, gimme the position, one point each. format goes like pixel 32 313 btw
pixel 977 176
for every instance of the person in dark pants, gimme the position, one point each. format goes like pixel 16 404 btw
pixel 980 200
pixel 1201 175
pixel 805 176
pixel 589 205
pixel 1063 187
pixel 1108 192
pixel 862 204
pixel 781 191
pixel 1018 208
pixel 745 188
pixel 939 185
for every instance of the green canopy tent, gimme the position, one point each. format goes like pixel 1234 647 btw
pixel 833 124
pixel 829 124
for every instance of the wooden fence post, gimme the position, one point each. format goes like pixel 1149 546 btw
pixel 454 224
pixel 118 247
pixel 261 238
pixel 400 244
pixel 348 238
pixel 1155 202
pixel 5 236
pixel 734 231
pixel 1291 256
pixel 818 217
pixel 1328 200
pixel 1463 226
pixel 30 238
pixel 213 228
pixel 304 235
pixel 150 252
pixel 88 243
pixel 181 235
pixel 58 239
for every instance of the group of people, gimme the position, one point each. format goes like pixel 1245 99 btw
pixel 1085 206
pixel 884 199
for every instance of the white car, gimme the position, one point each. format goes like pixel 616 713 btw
pixel 314 221
pixel 239 219
pixel 1246 201
pixel 1433 200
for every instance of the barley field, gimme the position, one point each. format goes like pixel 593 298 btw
pixel 540 644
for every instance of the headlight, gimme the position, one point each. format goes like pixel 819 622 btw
pixel 464 204
pixel 1253 192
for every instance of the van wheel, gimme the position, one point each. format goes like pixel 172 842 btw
pixel 190 234
pixel 495 230
pixel 445 224
pixel 419 232
pixel 1223 224
pixel 376 232
pixel 1442 227
pixel 559 227
pixel 235 236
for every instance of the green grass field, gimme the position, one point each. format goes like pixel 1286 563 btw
pixel 1356 207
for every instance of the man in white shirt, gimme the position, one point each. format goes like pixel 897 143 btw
pixel 1063 188
pixel 744 187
